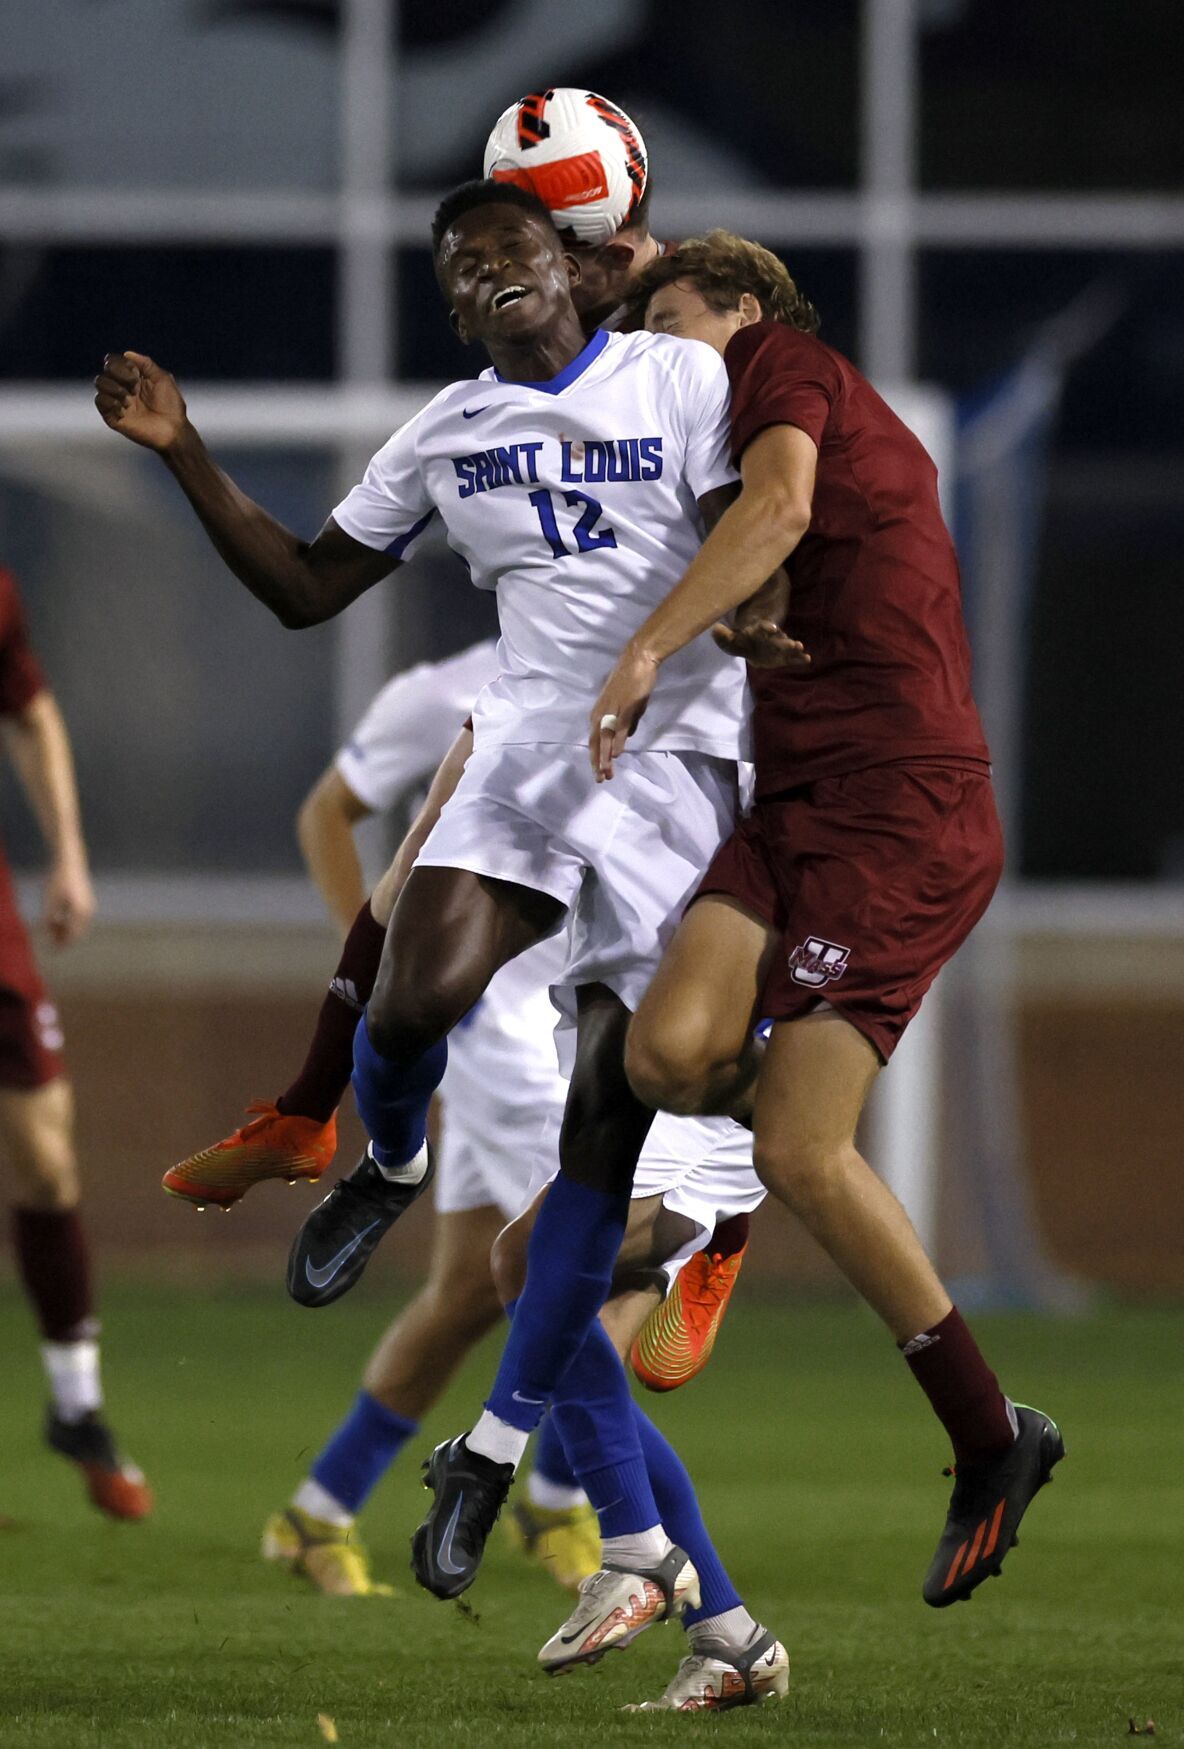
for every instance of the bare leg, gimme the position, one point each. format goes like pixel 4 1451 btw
pixel 817 1074
pixel 690 1048
pixel 37 1140
pixel 458 1303
pixel 449 933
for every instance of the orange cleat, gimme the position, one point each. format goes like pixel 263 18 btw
pixel 272 1145
pixel 676 1340
pixel 115 1486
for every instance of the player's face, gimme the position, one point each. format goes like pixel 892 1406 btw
pixel 680 310
pixel 505 274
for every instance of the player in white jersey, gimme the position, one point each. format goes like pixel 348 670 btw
pixel 589 509
pixel 501 1088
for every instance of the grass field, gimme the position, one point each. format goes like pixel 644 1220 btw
pixel 820 1473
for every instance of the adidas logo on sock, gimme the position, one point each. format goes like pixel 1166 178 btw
pixel 346 991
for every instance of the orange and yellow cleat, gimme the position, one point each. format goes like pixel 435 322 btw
pixel 273 1145
pixel 676 1340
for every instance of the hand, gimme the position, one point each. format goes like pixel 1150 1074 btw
pixel 622 702
pixel 69 902
pixel 763 643
pixel 139 400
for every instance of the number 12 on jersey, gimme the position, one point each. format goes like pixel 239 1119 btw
pixel 587 537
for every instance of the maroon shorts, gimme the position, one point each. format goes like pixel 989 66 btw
pixel 873 880
pixel 30 1032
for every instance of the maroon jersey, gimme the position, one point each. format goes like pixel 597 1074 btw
pixel 874 596
pixel 21 676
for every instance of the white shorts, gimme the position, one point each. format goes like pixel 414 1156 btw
pixel 624 856
pixel 501 1087
pixel 701 1167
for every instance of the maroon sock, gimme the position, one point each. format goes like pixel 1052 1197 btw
pixel 320 1086
pixel 54 1261
pixel 963 1390
pixel 729 1237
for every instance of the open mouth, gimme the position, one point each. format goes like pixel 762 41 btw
pixel 509 294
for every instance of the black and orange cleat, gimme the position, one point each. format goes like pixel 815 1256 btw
pixel 990 1497
pixel 675 1342
pixel 115 1486
pixel 275 1144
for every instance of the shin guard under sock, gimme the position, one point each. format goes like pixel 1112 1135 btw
pixel 570 1259
pixel 393 1096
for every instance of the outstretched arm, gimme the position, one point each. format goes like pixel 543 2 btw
pixel 38 745
pixel 301 582
pixel 752 538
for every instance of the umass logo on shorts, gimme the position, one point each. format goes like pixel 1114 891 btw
pixel 818 962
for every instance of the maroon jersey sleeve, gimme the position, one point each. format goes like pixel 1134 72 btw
pixel 21 675
pixel 779 377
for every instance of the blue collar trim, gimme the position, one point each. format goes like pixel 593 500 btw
pixel 570 372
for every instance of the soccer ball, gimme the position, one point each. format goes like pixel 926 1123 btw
pixel 578 152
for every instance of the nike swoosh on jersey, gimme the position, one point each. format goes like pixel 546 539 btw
pixel 324 1275
pixel 472 412
pixel 445 1557
pixel 532 1402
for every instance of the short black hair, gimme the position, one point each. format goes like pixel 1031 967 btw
pixel 484 193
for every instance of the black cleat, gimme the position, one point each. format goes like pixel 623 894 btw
pixel 990 1497
pixel 114 1485
pixel 470 1491
pixel 340 1236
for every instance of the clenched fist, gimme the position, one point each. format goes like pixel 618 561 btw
pixel 139 400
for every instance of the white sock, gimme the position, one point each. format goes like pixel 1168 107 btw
pixel 310 1497
pixel 497 1440
pixel 637 1552
pixel 410 1172
pixel 553 1496
pixel 72 1369
pixel 735 1627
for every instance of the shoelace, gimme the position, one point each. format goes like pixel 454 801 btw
pixel 589 1605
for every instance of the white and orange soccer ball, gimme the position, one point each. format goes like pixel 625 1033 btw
pixel 578 152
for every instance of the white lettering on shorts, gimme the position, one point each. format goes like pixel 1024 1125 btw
pixel 818 962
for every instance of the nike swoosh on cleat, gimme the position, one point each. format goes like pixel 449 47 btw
pixel 445 1556
pixel 472 412
pixel 324 1275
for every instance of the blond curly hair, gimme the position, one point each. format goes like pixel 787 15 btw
pixel 722 267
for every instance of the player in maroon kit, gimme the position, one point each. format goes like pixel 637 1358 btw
pixel 36 1109
pixel 870 854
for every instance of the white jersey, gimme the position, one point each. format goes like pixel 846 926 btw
pixel 576 499
pixel 412 723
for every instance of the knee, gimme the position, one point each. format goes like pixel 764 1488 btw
pixel 507 1261
pixel 669 1064
pixel 807 1176
pixel 50 1184
pixel 407 1014
pixel 39 1142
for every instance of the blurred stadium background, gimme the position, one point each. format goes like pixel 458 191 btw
pixel 986 209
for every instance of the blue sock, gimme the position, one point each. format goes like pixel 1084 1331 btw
pixel 550 1459
pixel 569 1263
pixel 593 1413
pixel 361 1451
pixel 682 1520
pixel 393 1096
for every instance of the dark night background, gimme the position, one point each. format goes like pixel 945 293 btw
pixel 1033 97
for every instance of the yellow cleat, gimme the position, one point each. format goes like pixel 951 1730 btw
pixel 566 1543
pixel 333 1559
pixel 676 1340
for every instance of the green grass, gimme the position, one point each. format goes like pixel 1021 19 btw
pixel 820 1473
